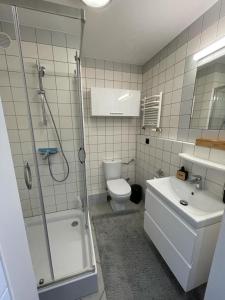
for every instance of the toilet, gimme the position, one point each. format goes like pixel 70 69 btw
pixel 118 188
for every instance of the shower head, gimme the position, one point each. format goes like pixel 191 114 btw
pixel 41 71
pixel 5 40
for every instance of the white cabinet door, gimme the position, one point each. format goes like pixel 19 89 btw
pixel 101 102
pixel 115 102
pixel 176 230
pixel 180 268
pixel 127 102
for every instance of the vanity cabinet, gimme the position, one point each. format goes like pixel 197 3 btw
pixel 187 251
pixel 115 102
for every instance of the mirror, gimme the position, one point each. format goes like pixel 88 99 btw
pixel 208 108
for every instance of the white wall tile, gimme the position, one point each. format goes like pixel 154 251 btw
pixel 169 77
pixel 3 65
pixel 60 54
pixel 45 51
pixel 4 78
pixel 13 63
pixel 29 49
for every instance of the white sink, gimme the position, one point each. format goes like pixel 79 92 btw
pixel 203 208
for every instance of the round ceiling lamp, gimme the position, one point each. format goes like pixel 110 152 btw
pixel 96 3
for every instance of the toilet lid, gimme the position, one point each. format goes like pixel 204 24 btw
pixel 119 187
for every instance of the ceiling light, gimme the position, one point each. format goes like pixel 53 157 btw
pixel 96 3
pixel 210 49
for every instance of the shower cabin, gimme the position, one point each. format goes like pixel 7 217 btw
pixel 41 93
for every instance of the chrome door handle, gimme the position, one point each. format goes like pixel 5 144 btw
pixel 79 153
pixel 27 176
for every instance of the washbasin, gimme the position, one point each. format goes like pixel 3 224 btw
pixel 198 207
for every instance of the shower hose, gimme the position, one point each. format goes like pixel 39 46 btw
pixel 60 145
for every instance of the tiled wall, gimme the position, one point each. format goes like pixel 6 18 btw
pixel 162 153
pixel 4 291
pixel 109 137
pixel 105 137
pixel 173 72
pixel 61 90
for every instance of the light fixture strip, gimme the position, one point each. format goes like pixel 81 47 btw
pixel 96 3
pixel 210 49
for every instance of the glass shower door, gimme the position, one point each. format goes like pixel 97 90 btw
pixel 16 111
pixel 50 43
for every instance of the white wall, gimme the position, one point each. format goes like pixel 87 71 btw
pixel 56 52
pixel 216 287
pixel 4 288
pixel 173 71
pixel 105 137
pixel 14 251
pixel 108 137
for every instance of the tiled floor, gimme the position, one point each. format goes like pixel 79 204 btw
pixel 95 210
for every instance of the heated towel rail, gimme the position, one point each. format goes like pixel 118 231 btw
pixel 151 111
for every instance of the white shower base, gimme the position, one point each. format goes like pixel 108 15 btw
pixel 69 245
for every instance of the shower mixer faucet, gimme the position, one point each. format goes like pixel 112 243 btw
pixel 46 152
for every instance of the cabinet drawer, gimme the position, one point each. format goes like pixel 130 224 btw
pixel 179 233
pixel 172 257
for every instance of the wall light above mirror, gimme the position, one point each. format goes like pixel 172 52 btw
pixel 208 108
pixel 210 49
pixel 96 3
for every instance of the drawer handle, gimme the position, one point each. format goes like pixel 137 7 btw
pixel 116 113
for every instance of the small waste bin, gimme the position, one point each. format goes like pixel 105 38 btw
pixel 136 193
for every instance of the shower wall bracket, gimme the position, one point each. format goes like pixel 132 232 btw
pixel 46 152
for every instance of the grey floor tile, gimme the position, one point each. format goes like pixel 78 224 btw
pixel 100 209
pixel 96 210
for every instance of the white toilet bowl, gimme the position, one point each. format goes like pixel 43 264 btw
pixel 120 192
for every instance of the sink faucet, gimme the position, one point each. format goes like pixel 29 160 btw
pixel 196 179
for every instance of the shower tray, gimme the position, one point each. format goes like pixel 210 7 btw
pixel 75 272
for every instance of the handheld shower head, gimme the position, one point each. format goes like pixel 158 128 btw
pixel 41 71
pixel 41 91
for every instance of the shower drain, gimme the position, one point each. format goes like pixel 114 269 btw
pixel 74 223
pixel 41 281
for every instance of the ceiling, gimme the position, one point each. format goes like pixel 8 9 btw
pixel 132 31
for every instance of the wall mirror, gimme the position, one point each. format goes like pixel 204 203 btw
pixel 208 108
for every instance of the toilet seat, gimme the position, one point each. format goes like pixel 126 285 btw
pixel 119 188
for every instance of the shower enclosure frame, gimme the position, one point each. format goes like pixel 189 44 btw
pixel 53 289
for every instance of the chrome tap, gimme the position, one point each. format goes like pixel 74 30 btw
pixel 197 180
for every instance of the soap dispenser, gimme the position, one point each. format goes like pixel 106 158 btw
pixel 182 174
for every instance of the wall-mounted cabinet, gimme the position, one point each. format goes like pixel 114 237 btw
pixel 115 102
